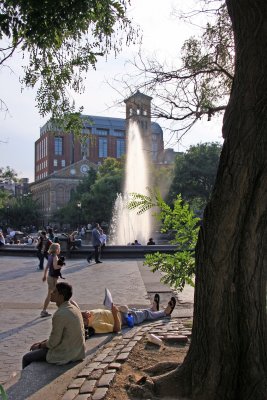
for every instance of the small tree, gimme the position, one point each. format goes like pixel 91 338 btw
pixel 178 269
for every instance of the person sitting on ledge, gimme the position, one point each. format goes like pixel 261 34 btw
pixel 2 239
pixel 112 320
pixel 66 342
pixel 136 243
pixel 150 242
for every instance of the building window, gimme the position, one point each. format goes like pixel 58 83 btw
pixel 55 163
pixel 102 132
pixel 63 163
pixel 58 146
pixel 154 150
pixel 118 133
pixel 87 131
pixel 120 147
pixel 103 147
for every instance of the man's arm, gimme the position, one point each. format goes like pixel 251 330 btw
pixel 56 334
pixel 117 322
pixel 39 345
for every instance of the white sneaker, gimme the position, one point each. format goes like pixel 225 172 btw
pixel 108 299
pixel 44 314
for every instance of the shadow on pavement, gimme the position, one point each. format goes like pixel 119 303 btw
pixel 14 331
pixel 40 376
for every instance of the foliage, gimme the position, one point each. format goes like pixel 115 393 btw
pixel 96 193
pixel 111 166
pixel 178 269
pixel 4 197
pixel 98 203
pixel 61 40
pixel 98 200
pixel 8 173
pixel 84 185
pixel 195 173
pixel 200 82
pixel 162 176
pixel 20 211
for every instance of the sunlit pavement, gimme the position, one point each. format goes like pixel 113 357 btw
pixel 22 293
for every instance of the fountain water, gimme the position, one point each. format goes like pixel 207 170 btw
pixel 127 224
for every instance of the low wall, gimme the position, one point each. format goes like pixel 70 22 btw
pixel 82 252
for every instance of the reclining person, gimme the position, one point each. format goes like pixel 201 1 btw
pixel 107 321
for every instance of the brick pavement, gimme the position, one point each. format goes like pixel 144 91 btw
pixel 22 293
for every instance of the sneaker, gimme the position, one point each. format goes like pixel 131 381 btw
pixel 108 299
pixel 44 314
pixel 98 262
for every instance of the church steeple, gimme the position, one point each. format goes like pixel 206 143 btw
pixel 138 109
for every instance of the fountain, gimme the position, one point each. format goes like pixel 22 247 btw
pixel 127 225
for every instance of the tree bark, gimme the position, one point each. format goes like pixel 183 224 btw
pixel 227 359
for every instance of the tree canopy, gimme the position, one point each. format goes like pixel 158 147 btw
pixel 96 193
pixel 194 174
pixel 61 40
pixel 199 82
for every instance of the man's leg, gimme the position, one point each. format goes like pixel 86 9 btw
pixel 146 315
pixel 97 254
pixel 41 260
pixel 35 355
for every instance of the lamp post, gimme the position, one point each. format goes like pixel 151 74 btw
pixel 7 216
pixel 79 205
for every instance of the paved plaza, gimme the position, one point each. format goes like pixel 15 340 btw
pixel 22 293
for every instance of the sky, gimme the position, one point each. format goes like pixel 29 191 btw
pixel 163 36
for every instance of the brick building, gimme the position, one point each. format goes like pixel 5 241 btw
pixel 62 159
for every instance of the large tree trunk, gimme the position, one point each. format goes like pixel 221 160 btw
pixel 227 359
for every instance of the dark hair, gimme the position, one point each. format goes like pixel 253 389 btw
pixel 65 289
pixel 43 233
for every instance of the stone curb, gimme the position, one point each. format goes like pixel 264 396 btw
pixel 93 382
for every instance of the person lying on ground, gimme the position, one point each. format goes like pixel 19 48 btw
pixel 66 342
pixel 107 321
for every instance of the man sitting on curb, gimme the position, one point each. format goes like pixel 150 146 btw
pixel 106 321
pixel 66 342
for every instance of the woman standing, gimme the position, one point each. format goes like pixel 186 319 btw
pixel 52 265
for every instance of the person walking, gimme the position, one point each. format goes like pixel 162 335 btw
pixel 96 242
pixel 43 245
pixel 52 265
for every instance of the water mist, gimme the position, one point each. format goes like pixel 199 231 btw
pixel 127 224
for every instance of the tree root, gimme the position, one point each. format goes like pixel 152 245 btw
pixel 142 389
pixel 173 384
pixel 161 368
